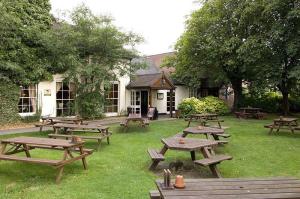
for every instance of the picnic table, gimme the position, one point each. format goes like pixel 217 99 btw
pixel 250 112
pixel 25 144
pixel 68 129
pixel 135 118
pixel 50 121
pixel 191 145
pixel 284 123
pixel 209 132
pixel 261 188
pixel 204 118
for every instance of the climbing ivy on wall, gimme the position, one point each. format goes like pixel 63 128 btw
pixel 9 98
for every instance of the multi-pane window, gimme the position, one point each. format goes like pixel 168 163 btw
pixel 27 100
pixel 192 92
pixel 135 102
pixel 65 94
pixel 169 101
pixel 112 99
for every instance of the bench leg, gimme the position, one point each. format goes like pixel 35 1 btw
pixel 99 144
pixel 59 175
pixel 41 128
pixel 26 149
pixel 154 164
pixel 193 155
pixel 215 170
pixel 83 159
pixel 107 139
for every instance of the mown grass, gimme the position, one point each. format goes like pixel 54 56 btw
pixel 120 170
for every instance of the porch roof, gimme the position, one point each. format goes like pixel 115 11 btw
pixel 158 81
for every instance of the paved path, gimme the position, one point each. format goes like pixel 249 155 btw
pixel 105 121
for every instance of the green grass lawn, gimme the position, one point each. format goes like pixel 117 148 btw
pixel 120 170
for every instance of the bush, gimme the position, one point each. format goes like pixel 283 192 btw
pixel 90 105
pixel 9 99
pixel 271 102
pixel 208 104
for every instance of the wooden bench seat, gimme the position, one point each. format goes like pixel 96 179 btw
pixel 146 122
pixel 224 135
pixel 221 141
pixel 30 160
pixel 41 125
pixel 123 123
pixel 83 130
pixel 216 159
pixel 85 150
pixel 155 155
pixel 297 127
pixel 154 194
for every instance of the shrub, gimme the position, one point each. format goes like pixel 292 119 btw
pixel 9 99
pixel 208 104
pixel 90 105
pixel 271 102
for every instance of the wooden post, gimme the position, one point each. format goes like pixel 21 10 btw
pixel 171 103
pixel 150 97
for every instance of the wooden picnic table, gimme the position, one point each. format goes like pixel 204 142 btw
pixel 55 120
pixel 191 145
pixel 79 127
pixel 283 123
pixel 135 118
pixel 228 188
pixel 250 112
pixel 203 130
pixel 25 144
pixel 204 118
pixel 68 130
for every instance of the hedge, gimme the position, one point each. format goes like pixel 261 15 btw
pixel 9 99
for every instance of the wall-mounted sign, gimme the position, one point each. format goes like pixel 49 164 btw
pixel 160 96
pixel 47 92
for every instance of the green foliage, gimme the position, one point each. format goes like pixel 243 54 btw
pixel 271 102
pixel 9 98
pixel 21 26
pixel 208 104
pixel 90 105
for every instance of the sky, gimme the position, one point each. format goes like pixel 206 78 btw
pixel 159 22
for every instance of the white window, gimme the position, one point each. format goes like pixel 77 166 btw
pixel 28 99
pixel 65 94
pixel 112 99
pixel 135 101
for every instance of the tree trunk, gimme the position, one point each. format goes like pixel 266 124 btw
pixel 285 102
pixel 238 93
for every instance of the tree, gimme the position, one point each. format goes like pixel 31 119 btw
pixel 21 24
pixel 104 53
pixel 281 21
pixel 217 42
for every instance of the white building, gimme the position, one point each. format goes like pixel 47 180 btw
pixel 149 87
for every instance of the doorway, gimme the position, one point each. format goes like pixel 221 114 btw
pixel 144 102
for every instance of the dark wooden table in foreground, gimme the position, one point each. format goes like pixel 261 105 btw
pixel 25 144
pixel 272 188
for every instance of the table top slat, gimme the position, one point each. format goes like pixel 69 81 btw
pixel 41 141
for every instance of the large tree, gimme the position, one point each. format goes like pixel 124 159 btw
pixel 217 42
pixel 281 24
pixel 103 52
pixel 21 25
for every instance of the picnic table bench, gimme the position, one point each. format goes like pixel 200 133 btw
pixel 101 132
pixel 229 188
pixel 192 145
pixel 205 118
pixel 283 123
pixel 25 144
pixel 135 118
pixel 250 112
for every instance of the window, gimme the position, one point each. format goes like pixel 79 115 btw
pixel 169 101
pixel 112 99
pixel 135 102
pixel 27 100
pixel 65 94
pixel 192 92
